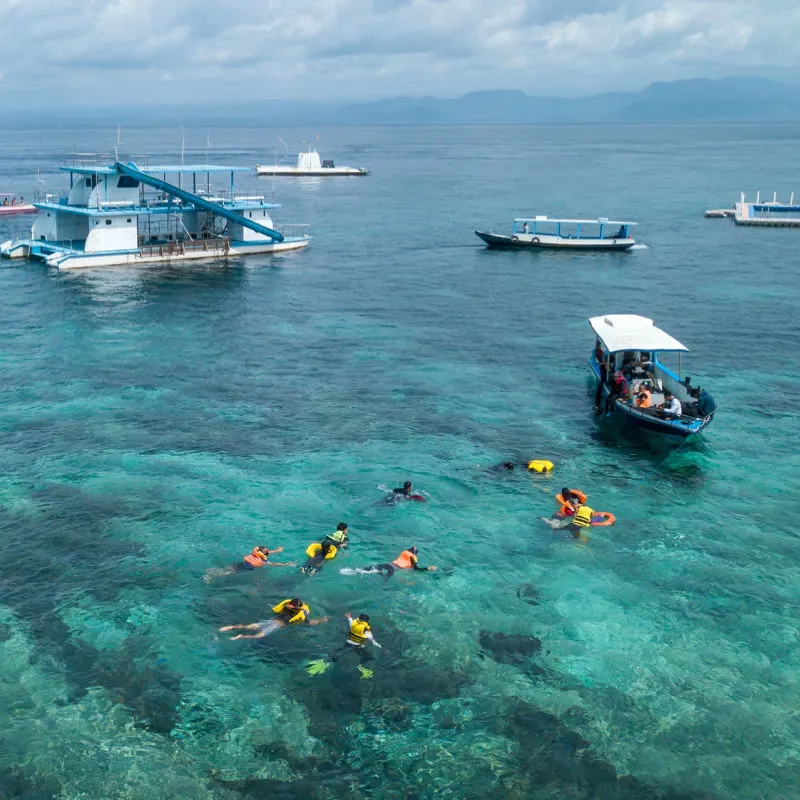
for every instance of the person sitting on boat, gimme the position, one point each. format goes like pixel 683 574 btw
pixel 525 227
pixel 5 201
pixel 642 399
pixel 671 407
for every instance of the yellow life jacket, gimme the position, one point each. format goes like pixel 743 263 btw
pixel 316 548
pixel 540 465
pixel 282 611
pixel 337 536
pixel 357 630
pixel 583 517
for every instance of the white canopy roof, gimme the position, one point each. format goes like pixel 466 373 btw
pixel 632 332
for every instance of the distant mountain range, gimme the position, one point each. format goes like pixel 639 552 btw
pixel 699 100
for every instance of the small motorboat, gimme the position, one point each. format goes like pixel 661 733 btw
pixel 10 205
pixel 564 234
pixel 310 165
pixel 632 381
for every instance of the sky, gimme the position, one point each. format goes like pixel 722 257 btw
pixel 139 52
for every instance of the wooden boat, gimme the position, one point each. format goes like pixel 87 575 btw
pixel 564 234
pixel 630 346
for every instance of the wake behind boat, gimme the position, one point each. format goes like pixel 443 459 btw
pixel 566 234
pixel 310 165
pixel 633 382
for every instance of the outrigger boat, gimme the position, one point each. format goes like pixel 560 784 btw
pixel 310 165
pixel 124 214
pixel 566 234
pixel 626 361
pixel 10 206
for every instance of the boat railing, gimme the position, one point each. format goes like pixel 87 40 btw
pixel 294 230
pixel 221 244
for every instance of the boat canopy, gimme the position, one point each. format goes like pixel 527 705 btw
pixel 598 221
pixel 173 169
pixel 620 332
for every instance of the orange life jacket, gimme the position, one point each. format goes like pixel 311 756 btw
pixel 405 560
pixel 256 558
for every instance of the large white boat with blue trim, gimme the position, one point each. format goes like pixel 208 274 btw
pixel 125 214
pixel 565 234
pixel 636 386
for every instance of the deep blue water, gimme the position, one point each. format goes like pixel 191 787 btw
pixel 158 423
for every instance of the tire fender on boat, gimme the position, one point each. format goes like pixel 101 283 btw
pixel 535 240
pixel 515 238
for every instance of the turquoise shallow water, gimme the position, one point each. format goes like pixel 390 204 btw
pixel 158 423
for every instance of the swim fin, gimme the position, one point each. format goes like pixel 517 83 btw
pixel 318 667
pixel 365 673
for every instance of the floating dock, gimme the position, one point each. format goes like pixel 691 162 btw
pixel 719 213
pixel 767 214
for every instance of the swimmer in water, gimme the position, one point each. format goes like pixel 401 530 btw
pixel 359 636
pixel 320 552
pixel 576 524
pixel 258 557
pixel 404 492
pixel 408 559
pixel 287 612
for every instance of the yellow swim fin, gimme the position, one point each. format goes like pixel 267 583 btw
pixel 365 673
pixel 317 667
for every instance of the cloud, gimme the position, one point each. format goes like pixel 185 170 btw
pixel 79 51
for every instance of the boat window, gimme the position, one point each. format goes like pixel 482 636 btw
pixel 108 222
pixel 128 220
pixel 126 182
pixel 91 182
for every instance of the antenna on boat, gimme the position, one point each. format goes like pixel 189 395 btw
pixel 208 144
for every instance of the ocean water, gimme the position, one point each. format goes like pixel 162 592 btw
pixel 158 423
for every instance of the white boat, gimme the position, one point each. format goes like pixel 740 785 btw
pixel 566 234
pixel 629 346
pixel 310 165
pixel 11 206
pixel 122 214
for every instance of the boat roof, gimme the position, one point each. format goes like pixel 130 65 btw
pixel 632 332
pixel 173 169
pixel 598 221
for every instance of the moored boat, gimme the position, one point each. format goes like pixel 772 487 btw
pixel 124 214
pixel 566 234
pixel 10 205
pixel 633 382
pixel 310 165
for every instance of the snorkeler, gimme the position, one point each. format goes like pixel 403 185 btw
pixel 359 635
pixel 320 552
pixel 257 557
pixel 408 559
pixel 575 524
pixel 404 492
pixel 287 612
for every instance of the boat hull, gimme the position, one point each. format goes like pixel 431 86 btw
pixel 527 241
pixel 12 211
pixel 647 419
pixel 322 172
pixel 152 254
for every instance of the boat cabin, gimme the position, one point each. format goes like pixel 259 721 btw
pixel 595 229
pixel 633 379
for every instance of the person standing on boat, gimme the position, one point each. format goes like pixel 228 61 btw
pixel 525 227
pixel 671 407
